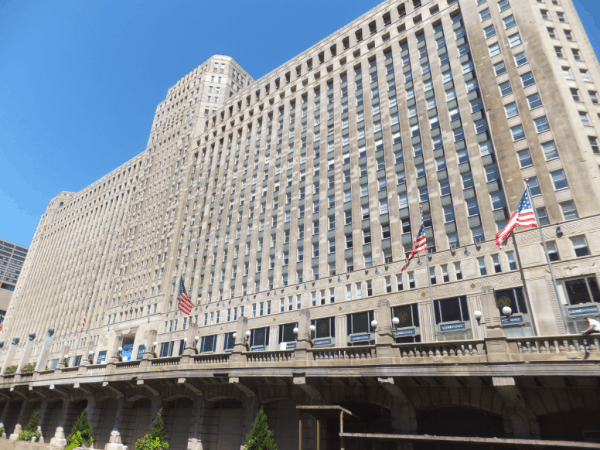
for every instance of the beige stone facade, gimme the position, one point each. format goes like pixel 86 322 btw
pixel 294 201
pixel 12 258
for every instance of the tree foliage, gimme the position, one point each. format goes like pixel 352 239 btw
pixel 81 432
pixel 260 438
pixel 31 429
pixel 155 439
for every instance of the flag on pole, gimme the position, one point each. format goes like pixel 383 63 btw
pixel 523 216
pixel 183 301
pixel 419 245
pixel 85 317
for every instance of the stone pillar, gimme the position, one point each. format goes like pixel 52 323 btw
pixel 18 427
pixel 240 342
pixel 115 443
pixel 114 354
pixel 26 352
pixel 273 338
pixel 197 423
pixel 4 414
pixel 59 439
pixel 520 421
pixel 11 354
pixel 251 407
pixel 41 362
pixel 303 339
pixel 384 339
pixel 496 345
pixel 43 418
pixel 93 412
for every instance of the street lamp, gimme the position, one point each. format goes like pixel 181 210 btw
pixel 312 329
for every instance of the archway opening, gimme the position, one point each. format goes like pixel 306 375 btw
pixel 464 422
pixel 580 426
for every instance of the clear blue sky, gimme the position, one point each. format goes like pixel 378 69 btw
pixel 80 80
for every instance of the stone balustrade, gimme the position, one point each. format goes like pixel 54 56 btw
pixel 468 352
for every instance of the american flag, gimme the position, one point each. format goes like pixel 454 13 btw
pixel 184 302
pixel 523 216
pixel 85 317
pixel 419 245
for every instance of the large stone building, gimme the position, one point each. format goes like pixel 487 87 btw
pixel 292 201
pixel 12 257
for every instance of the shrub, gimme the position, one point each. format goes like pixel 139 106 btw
pixel 31 428
pixel 11 369
pixel 28 367
pixel 1 432
pixel 81 432
pixel 155 439
pixel 260 436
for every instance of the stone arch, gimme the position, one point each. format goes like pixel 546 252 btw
pixel 50 422
pixel 175 392
pixel 138 393
pixel 435 397
pixel 215 393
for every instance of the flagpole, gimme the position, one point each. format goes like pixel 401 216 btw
pixel 169 348
pixel 435 335
pixel 525 293
pixel 537 221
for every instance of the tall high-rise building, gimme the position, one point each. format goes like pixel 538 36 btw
pixel 12 257
pixel 289 204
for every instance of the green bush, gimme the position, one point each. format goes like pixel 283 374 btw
pixel 31 428
pixel 1 432
pixel 11 369
pixel 28 367
pixel 81 432
pixel 260 438
pixel 155 439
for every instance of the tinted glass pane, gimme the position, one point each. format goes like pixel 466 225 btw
pixel 593 284
pixel 287 334
pixel 403 313
pixel 259 337
pixel 323 328
pixel 360 323
pixel 450 310
pixel 577 291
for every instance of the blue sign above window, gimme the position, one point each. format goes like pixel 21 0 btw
pixel 322 342
pixel 360 337
pixel 583 310
pixel 512 319
pixel 405 332
pixel 453 327
pixel 290 345
pixel 258 349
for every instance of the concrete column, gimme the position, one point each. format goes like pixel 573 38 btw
pixel 19 427
pixel 3 416
pixel 496 345
pixel 384 339
pixel 197 424
pixel 251 407
pixel 43 418
pixel 93 412
pixel 240 342
pixel 59 439
pixel 273 338
pixel 520 421
pixel 115 443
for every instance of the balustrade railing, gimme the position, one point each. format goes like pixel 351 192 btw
pixel 519 349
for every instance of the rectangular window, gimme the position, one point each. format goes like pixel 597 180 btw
pixel 541 124
pixel 494 49
pixel 451 310
pixel 534 101
pixel 509 22
pixel 499 68
pixel 505 88
pixel 580 246
pixel 482 268
pixel 552 251
pixel 489 31
pixel 585 120
pixel 485 14
pixel 511 110
pixel 520 59
pixel 517 132
pixel 559 179
pixel 512 264
pixel 525 158
pixel 503 5
pixel 527 79
pixel 515 40
pixel 569 211
pixel 594 144
pixel 534 186
pixel 542 216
